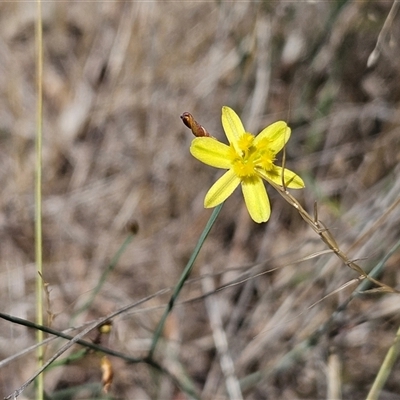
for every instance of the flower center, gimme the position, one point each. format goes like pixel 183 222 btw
pixel 251 157
pixel 244 164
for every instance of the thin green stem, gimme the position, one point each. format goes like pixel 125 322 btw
pixel 390 358
pixel 184 276
pixel 38 196
pixel 385 369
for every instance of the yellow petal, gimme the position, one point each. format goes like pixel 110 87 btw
pixel 275 136
pixel 292 180
pixel 221 189
pixel 233 127
pixel 211 152
pixel 256 199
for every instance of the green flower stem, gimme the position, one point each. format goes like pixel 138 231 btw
pixel 386 368
pixel 185 274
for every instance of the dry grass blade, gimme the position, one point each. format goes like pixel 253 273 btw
pixel 330 241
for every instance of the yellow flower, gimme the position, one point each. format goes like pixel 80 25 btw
pixel 248 159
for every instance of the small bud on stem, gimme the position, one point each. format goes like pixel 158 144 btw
pixel 197 129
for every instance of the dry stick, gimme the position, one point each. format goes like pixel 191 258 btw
pixel 60 334
pixel 29 324
pixel 334 377
pixel 77 339
pixel 220 340
pixel 327 237
pixel 373 57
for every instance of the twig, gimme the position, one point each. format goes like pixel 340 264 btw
pixel 328 238
pixel 77 339
pixel 220 340
pixel 334 379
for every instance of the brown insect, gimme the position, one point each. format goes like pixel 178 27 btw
pixel 197 129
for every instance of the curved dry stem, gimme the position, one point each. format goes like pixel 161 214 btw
pixel 327 237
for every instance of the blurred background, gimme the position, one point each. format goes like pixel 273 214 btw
pixel 117 77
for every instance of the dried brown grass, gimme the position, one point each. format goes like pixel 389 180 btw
pixel 117 78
